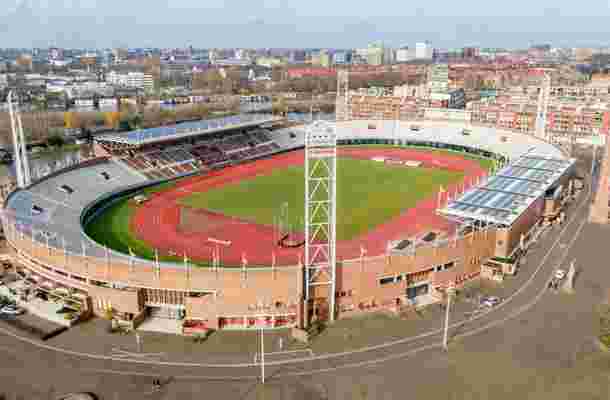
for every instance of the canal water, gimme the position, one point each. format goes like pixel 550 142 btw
pixel 42 164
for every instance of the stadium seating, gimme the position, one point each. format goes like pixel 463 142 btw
pixel 157 161
pixel 61 211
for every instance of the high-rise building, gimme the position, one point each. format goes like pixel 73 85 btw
pixel 56 54
pixel 389 56
pixel 404 54
pixel 325 58
pixel 297 56
pixel 342 57
pixel 423 50
pixel 375 54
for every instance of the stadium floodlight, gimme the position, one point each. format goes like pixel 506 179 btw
pixel 22 168
pixel 321 209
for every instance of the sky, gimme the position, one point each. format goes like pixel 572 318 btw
pixel 302 23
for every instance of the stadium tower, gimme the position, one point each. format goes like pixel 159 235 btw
pixel 22 166
pixel 320 218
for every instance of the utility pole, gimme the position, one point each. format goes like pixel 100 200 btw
pixel 450 291
pixel 262 355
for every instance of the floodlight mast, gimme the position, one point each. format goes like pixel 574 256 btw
pixel 320 211
pixel 22 166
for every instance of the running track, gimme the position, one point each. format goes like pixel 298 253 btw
pixel 156 222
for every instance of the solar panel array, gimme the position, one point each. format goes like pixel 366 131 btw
pixel 185 129
pixel 505 196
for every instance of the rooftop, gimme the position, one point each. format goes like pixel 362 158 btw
pixel 186 129
pixel 503 198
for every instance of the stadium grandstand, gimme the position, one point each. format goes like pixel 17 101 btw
pixel 190 147
pixel 511 191
pixel 44 223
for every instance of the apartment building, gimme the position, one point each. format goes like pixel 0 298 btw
pixel 438 81
pixel 562 117
pixel 131 79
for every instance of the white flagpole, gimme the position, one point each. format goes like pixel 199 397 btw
pixel 186 269
pixel 157 265
pixel 272 265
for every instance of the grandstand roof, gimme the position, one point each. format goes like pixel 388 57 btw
pixel 186 129
pixel 503 198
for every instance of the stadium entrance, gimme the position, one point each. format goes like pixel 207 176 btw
pixel 416 291
pixel 167 311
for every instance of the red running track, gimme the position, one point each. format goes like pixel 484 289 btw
pixel 157 220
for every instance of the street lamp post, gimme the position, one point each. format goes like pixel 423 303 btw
pixel 262 355
pixel 450 291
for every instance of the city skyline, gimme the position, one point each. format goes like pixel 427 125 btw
pixel 290 24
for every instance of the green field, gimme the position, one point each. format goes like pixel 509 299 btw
pixel 369 193
pixel 364 195
pixel 112 228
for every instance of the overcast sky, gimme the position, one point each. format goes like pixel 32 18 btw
pixel 301 23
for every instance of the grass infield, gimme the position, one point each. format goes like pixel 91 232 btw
pixel 112 227
pixel 369 193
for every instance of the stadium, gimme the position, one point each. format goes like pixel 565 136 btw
pixel 203 222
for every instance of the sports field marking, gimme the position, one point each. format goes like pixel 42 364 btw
pixel 369 194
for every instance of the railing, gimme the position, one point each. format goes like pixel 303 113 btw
pixel 281 284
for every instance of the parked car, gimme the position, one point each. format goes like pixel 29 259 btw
pixel 77 396
pixel 12 310
pixel 490 301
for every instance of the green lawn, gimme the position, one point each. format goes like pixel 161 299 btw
pixel 112 227
pixel 369 193
pixel 383 185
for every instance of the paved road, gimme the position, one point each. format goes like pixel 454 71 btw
pixel 36 369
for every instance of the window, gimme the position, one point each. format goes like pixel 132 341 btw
pixel 385 281
pixel 449 265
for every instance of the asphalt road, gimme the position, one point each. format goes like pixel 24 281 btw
pixel 35 371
